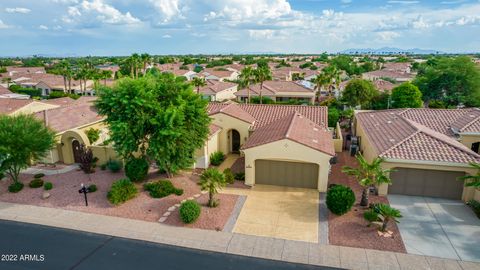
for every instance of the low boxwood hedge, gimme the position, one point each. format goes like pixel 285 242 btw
pixel 340 199
pixel 189 211
pixel 162 188
pixel 36 183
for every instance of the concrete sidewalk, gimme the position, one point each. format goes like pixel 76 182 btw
pixel 262 247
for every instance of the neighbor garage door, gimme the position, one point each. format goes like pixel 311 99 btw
pixel 430 183
pixel 290 174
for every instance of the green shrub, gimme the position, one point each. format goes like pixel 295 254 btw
pixel 229 177
pixel 240 176
pixel 189 211
pixel 92 188
pixel 370 216
pixel 36 183
pixel 93 135
pixel 121 191
pixel 15 187
pixel 475 205
pixel 48 186
pixel 216 158
pixel 103 167
pixel 136 169
pixel 114 165
pixel 340 199
pixel 161 188
pixel 38 175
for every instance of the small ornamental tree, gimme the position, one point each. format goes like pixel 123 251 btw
pixel 406 95
pixel 23 139
pixel 212 180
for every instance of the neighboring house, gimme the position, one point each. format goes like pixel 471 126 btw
pixel 218 90
pixel 279 91
pixel 428 148
pixel 13 106
pixel 282 145
pixel 188 74
pixel 383 85
pixel 11 71
pixel 379 74
pixel 113 68
pixel 397 67
pixel 219 74
pixel 48 83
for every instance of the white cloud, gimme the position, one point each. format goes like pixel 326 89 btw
pixel 388 35
pixel 166 36
pixel 261 34
pixel 43 27
pixel 97 11
pixel 4 25
pixel 18 10
pixel 167 8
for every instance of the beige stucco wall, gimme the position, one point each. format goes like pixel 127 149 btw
pixel 34 107
pixel 366 147
pixel 227 123
pixel 226 94
pixel 338 141
pixel 469 139
pixel 104 153
pixel 202 155
pixel 286 150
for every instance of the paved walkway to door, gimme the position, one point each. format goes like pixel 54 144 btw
pixel 438 227
pixel 278 212
pixel 228 162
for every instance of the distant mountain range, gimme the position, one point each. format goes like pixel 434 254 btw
pixel 387 50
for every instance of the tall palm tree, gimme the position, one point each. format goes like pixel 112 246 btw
pixel 135 61
pixel 368 175
pixel 246 78
pixel 387 214
pixel 473 180
pixel 198 82
pixel 320 81
pixel 212 180
pixel 106 74
pixel 261 75
pixel 145 58
pixel 334 75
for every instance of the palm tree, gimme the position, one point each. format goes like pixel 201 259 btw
pixel 106 74
pixel 145 58
pixel 368 174
pixel 246 78
pixel 320 81
pixel 387 214
pixel 211 180
pixel 472 180
pixel 261 75
pixel 135 60
pixel 198 82
pixel 334 75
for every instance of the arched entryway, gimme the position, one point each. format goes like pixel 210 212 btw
pixel 235 141
pixel 77 153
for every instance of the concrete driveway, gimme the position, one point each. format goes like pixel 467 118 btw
pixel 279 212
pixel 438 227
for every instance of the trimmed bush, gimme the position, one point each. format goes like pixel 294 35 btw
pixel 36 183
pixel 114 165
pixel 370 216
pixel 229 177
pixel 121 191
pixel 340 199
pixel 136 169
pixel 48 186
pixel 15 187
pixel 161 188
pixel 240 176
pixel 38 175
pixel 189 211
pixel 92 188
pixel 103 167
pixel 216 158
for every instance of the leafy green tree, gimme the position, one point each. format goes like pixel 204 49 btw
pixel 262 74
pixel 406 95
pixel 368 175
pixel 472 180
pixel 452 80
pixel 382 101
pixel 333 116
pixel 155 116
pixel 359 92
pixel 23 139
pixel 212 180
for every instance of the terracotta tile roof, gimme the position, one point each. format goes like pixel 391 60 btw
pixel 395 136
pixel 213 129
pixel 297 128
pixel 234 111
pixel 383 85
pixel 214 86
pixel 26 69
pixel 389 74
pixel 10 105
pixel 217 72
pixel 64 101
pixel 67 117
pixel 4 90
pixel 274 88
pixel 264 114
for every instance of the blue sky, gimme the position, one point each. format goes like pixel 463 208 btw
pixel 121 27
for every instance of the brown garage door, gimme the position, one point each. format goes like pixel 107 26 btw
pixel 290 174
pixel 430 183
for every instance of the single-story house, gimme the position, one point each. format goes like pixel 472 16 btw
pixel 395 75
pixel 279 91
pixel 282 145
pixel 428 148
pixel 219 74
pixel 218 90
pixel 188 74
pixel 13 106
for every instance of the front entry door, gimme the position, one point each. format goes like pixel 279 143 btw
pixel 235 141
pixel 76 151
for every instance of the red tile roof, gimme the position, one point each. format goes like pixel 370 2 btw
pixel 64 101
pixel 4 90
pixel 235 111
pixel 297 128
pixel 67 117
pixel 393 135
pixel 263 114
pixel 274 88
pixel 10 105
pixel 213 129
pixel 214 86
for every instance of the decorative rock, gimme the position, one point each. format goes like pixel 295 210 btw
pixel 162 219
pixel 196 195
pixel 170 209
pixel 190 198
pixel 204 192
pixel 183 201
pixel 45 195
pixel 177 205
pixel 167 214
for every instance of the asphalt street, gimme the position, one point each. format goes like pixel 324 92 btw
pixel 28 246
